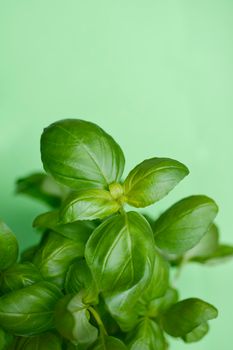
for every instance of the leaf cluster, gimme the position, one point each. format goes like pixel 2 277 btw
pixel 99 278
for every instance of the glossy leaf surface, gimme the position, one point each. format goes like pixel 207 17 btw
pixel 72 321
pixel 29 311
pixel 89 205
pixel 80 154
pixel 183 225
pixel 152 180
pixel 19 276
pixel 45 341
pixel 185 316
pixel 118 251
pixel 8 247
pixel 147 336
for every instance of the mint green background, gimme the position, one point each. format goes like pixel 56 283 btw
pixel 157 75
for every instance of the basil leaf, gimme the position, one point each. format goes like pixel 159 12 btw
pixel 79 278
pixel 205 247
pixel 222 253
pixel 45 341
pixel 197 334
pixel 5 339
pixel 158 306
pixel 88 205
pixel 81 155
pixel 108 343
pixel 19 276
pixel 185 316
pixel 55 256
pixel 8 247
pixel 72 321
pixel 147 336
pixel 152 180
pixel 183 225
pixel 43 187
pixel 28 254
pixel 29 311
pixel 118 251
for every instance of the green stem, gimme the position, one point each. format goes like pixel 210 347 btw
pixel 98 320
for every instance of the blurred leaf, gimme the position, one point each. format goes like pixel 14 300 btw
pixel 183 225
pixel 28 254
pixel 152 180
pixel 5 339
pixel 158 306
pixel 221 254
pixel 185 316
pixel 8 247
pixel 29 311
pixel 19 276
pixel 45 341
pixel 72 321
pixel 108 343
pixel 197 334
pixel 88 205
pixel 81 155
pixel 43 187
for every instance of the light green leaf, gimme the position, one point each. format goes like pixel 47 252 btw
pixel 185 316
pixel 152 180
pixel 146 336
pixel 45 341
pixel 108 343
pixel 5 339
pixel 8 247
pixel 72 320
pixel 88 205
pixel 79 278
pixel 183 225
pixel 197 333
pixel 29 311
pixel 81 155
pixel 158 306
pixel 221 254
pixel 119 250
pixel 19 276
pixel 43 187
pixel 55 255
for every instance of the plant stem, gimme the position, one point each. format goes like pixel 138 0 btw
pixel 98 320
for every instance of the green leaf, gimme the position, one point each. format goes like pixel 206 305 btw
pixel 118 251
pixel 72 321
pixel 158 306
pixel 28 254
pixel 205 247
pixel 197 334
pixel 79 278
pixel 5 339
pixel 186 315
pixel 45 341
pixel 43 187
pixel 8 247
pixel 183 225
pixel 88 205
pixel 221 254
pixel 108 343
pixel 152 180
pixel 81 155
pixel 19 276
pixel 55 255
pixel 147 336
pixel 29 311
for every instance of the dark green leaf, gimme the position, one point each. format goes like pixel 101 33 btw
pixel 29 311
pixel 79 278
pixel 5 339
pixel 56 254
pixel 152 180
pixel 89 205
pixel 72 321
pixel 28 254
pixel 43 187
pixel 118 251
pixel 197 333
pixel 19 276
pixel 81 155
pixel 108 343
pixel 183 225
pixel 185 316
pixel 8 247
pixel 147 336
pixel 45 341
pixel 159 305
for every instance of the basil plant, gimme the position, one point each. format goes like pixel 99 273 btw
pixel 99 277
